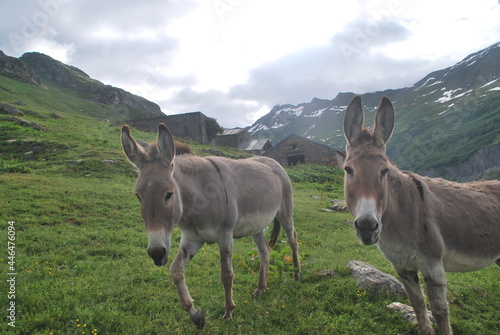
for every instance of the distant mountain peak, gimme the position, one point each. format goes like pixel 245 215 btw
pixel 442 119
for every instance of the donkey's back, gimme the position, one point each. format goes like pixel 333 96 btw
pixel 468 217
pixel 259 186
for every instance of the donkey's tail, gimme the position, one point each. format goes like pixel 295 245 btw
pixel 275 234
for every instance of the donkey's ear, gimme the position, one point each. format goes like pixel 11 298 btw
pixel 134 152
pixel 384 122
pixel 353 120
pixel 166 145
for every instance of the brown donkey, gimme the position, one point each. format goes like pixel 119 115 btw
pixel 210 200
pixel 419 224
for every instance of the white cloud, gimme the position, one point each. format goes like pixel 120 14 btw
pixel 234 61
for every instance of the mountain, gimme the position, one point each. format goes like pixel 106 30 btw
pixel 43 71
pixel 447 123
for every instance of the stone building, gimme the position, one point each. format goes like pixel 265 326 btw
pixel 188 125
pixel 295 149
pixel 257 146
pixel 240 138
pixel 232 138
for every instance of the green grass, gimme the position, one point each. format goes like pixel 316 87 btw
pixel 80 255
pixel 82 266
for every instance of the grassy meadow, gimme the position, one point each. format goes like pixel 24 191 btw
pixel 81 265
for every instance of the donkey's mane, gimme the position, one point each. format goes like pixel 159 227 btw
pixel 417 182
pixel 153 152
pixel 366 136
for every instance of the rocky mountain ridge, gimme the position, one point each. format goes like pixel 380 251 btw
pixel 43 71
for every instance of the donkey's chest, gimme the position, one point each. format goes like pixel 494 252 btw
pixel 402 255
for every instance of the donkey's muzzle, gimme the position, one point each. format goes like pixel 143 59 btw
pixel 367 229
pixel 159 255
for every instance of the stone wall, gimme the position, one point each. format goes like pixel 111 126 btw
pixel 299 150
pixel 188 125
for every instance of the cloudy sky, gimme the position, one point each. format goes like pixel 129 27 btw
pixel 235 59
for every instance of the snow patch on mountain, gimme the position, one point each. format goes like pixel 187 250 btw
pixel 491 82
pixel 316 113
pixel 292 110
pixel 429 83
pixel 448 95
pixel 257 127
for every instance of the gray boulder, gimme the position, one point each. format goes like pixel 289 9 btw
pixel 375 281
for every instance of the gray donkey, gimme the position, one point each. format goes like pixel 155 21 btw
pixel 419 224
pixel 210 200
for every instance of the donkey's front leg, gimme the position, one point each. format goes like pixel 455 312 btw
pixel 435 280
pixel 417 299
pixel 263 249
pixel 227 274
pixel 186 252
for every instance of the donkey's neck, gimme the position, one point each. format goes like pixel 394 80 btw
pixel 192 172
pixel 406 194
pixel 405 210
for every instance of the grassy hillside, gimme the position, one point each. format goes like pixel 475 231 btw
pixel 82 268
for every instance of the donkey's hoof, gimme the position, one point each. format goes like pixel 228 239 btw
pixel 198 319
pixel 228 315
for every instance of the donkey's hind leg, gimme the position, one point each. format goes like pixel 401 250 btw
pixel 286 221
pixel 186 252
pixel 263 248
pixel 227 274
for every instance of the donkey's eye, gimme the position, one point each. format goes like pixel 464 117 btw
pixel 384 173
pixel 349 170
pixel 168 196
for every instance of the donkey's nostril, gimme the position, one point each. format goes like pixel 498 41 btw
pixel 159 255
pixel 367 224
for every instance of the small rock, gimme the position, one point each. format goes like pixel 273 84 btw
pixel 329 273
pixel 5 108
pixel 25 123
pixel 56 116
pixel 35 114
pixel 315 197
pixel 143 144
pixel 339 206
pixel 37 149
pixel 327 210
pixel 373 280
pixel 109 162
pixel 407 312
